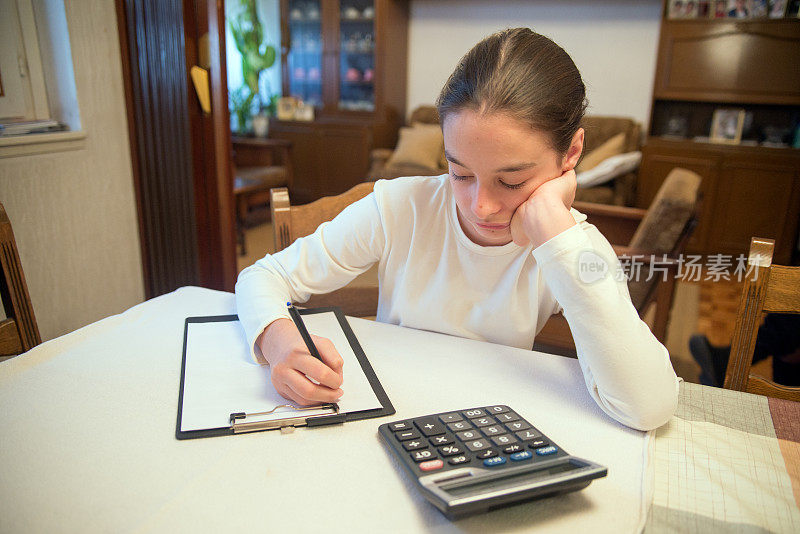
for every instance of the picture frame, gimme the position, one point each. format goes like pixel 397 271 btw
pixel 675 9
pixel 739 9
pixel 727 126
pixel 718 9
pixel 759 9
pixel 777 9
pixel 286 107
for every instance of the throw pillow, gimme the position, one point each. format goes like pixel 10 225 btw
pixel 609 168
pixel 615 145
pixel 420 144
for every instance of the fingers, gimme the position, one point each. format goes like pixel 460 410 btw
pixel 294 385
pixel 329 354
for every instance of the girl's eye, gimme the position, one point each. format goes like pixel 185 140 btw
pixel 512 186
pixel 458 176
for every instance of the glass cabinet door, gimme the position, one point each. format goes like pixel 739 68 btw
pixel 305 51
pixel 357 55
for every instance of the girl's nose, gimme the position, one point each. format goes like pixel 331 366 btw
pixel 484 204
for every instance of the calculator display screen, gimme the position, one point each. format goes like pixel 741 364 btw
pixel 463 489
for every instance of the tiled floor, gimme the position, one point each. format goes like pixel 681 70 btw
pixel 705 306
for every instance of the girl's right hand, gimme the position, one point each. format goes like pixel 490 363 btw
pixel 292 366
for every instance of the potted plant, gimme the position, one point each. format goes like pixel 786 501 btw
pixel 257 56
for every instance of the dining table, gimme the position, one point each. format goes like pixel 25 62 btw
pixel 88 426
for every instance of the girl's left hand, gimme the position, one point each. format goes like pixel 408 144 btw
pixel 546 212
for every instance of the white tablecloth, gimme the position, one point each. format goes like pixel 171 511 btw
pixel 88 438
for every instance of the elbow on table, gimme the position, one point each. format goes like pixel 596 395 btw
pixel 654 411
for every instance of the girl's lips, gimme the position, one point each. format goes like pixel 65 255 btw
pixel 492 226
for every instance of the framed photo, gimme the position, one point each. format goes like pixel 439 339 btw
pixel 739 9
pixel 675 10
pixel 727 125
pixel 777 9
pixel 719 9
pixel 759 9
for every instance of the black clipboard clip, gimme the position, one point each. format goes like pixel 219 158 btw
pixel 239 423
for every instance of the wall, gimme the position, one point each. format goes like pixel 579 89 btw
pixel 74 213
pixel 614 44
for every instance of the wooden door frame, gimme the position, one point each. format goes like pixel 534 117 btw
pixel 194 243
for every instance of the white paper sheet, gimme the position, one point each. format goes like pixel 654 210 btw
pixel 221 378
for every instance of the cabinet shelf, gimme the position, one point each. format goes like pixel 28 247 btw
pixel 750 188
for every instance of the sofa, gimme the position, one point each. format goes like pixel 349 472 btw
pixel 420 152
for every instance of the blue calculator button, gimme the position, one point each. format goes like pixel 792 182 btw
pixel 491 462
pixel 519 456
pixel 544 451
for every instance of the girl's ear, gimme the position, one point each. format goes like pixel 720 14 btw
pixel 573 152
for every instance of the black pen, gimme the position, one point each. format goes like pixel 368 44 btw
pixel 301 326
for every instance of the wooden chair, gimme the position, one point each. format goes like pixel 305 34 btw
pixel 767 288
pixel 290 222
pixel 18 332
pixel 663 229
pixel 259 164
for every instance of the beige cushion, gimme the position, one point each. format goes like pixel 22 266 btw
pixel 612 147
pixel 420 144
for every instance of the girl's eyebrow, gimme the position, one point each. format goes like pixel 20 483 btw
pixel 512 168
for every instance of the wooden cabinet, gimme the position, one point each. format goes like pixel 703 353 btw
pixel 751 188
pixel 348 59
pixel 747 191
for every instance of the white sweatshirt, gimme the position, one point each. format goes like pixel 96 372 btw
pixel 433 277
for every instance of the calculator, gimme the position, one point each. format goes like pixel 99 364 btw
pixel 471 461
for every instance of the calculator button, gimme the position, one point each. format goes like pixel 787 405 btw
pixel 441 440
pixel 487 453
pixel 494 430
pixel 497 409
pixel 491 462
pixel 431 465
pixel 471 414
pixel 451 417
pixel 421 456
pixel 455 460
pixel 404 435
pixel 468 435
pixel 535 444
pixel 429 426
pixel 402 425
pixel 459 425
pixel 544 451
pixel 451 450
pixel 477 444
pixel 531 433
pixel 516 426
pixel 514 447
pixel 415 444
pixel 519 456
pixel 483 421
pixel 505 439
pixel 506 417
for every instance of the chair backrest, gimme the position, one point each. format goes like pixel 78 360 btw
pixel 767 288
pixel 666 226
pixel 290 222
pixel 18 332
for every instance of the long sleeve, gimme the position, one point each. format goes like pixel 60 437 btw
pixel 626 369
pixel 322 262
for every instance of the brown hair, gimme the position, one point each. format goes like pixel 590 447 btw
pixel 522 73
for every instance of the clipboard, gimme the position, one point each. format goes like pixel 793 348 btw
pixel 199 361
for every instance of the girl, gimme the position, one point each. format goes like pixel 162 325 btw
pixel 489 251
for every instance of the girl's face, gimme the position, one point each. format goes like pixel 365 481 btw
pixel 496 162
